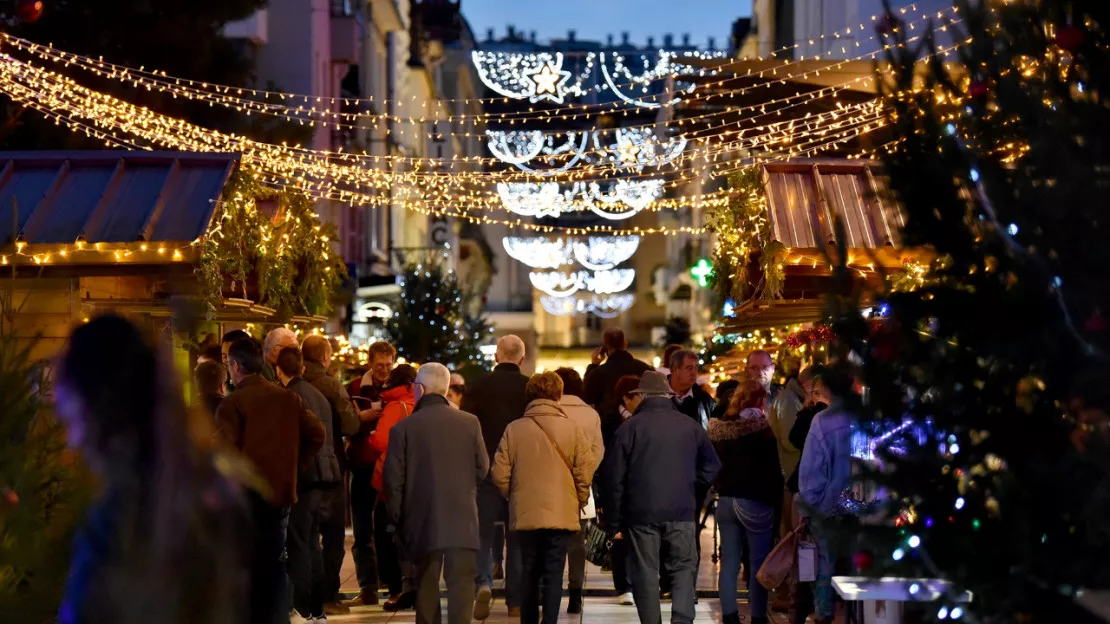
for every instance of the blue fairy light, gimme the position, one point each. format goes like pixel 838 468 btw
pixel 960 503
pixel 974 175
pixel 957 613
pixel 1012 229
pixel 898 554
pixel 943 613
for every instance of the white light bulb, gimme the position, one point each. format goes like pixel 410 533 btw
pixel 960 503
pixel 914 541
pixel 898 554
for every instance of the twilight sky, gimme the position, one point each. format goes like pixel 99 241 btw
pixel 594 19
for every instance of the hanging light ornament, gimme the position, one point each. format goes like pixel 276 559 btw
pixel 541 76
pixel 538 252
pixel 604 306
pixel 546 199
pixel 631 149
pixel 560 284
pixel 601 253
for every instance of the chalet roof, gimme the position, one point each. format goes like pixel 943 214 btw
pixel 110 196
pixel 806 196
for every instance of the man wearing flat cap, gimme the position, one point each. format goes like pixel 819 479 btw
pixel 660 458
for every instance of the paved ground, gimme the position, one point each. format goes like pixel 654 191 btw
pixel 601 607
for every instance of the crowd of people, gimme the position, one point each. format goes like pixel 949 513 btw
pixel 240 516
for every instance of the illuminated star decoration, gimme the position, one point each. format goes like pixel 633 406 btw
pixel 547 82
pixel 627 151
pixel 701 272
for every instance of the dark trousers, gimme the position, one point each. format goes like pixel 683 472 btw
pixel 333 530
pixel 622 579
pixel 458 569
pixel 543 555
pixel 576 558
pixel 679 563
pixel 269 597
pixel 499 543
pixel 306 560
pixel 389 557
pixel 363 500
pixel 493 508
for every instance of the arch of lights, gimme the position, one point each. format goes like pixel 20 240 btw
pixel 541 76
pixel 632 149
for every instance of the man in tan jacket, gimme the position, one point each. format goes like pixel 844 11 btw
pixel 544 466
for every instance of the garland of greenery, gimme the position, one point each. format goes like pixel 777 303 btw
pixel 297 270
pixel 743 228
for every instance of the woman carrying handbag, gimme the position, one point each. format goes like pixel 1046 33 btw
pixel 749 485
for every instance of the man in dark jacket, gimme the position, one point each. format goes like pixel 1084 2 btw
pixel 306 562
pixel 689 397
pixel 317 353
pixel 659 459
pixel 435 461
pixel 271 427
pixel 497 400
pixel 611 361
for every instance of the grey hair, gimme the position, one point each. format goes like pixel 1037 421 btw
pixel 434 377
pixel 510 349
pixel 278 336
pixel 680 356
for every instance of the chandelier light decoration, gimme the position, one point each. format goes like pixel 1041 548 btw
pixel 625 149
pixel 604 306
pixel 540 76
pixel 560 284
pixel 598 287
pixel 621 199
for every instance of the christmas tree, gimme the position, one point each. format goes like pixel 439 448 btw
pixel 429 322
pixel 43 488
pixel 990 380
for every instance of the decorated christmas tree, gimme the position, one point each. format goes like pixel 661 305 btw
pixel 429 322
pixel 987 387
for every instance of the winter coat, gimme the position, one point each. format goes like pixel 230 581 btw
pixel 825 471
pixel 529 469
pixel 497 400
pixel 323 469
pixel 784 410
pixel 601 384
pixel 399 403
pixel 749 459
pixel 589 422
pixel 659 461
pixel 698 406
pixel 345 420
pixel 435 460
pixel 272 428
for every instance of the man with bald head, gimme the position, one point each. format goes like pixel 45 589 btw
pixel 497 399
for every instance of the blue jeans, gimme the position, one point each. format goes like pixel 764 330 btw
pixel 645 543
pixel 746 527
pixel 493 508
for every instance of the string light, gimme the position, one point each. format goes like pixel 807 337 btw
pixel 332 106
pixel 560 284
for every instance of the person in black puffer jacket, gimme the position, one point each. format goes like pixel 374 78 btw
pixel 750 486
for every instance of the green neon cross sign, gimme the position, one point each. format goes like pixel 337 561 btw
pixel 701 272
